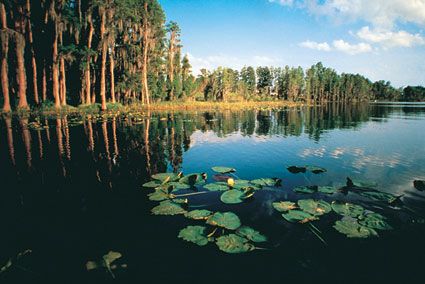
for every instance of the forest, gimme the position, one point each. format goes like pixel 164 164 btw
pixel 61 53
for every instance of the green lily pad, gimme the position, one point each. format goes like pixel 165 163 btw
pixel 236 196
pixel 105 262
pixel 251 234
pixel 166 177
pixel 198 214
pixel 284 206
pixel 419 185
pixel 296 170
pixel 223 170
pixel 327 189
pixel 181 200
pixel 374 221
pixel 217 186
pixel 194 234
pixel 160 195
pixel 306 189
pixel 152 184
pixel 168 207
pixel 315 170
pixel 298 216
pixel 347 209
pixel 364 183
pixel 352 229
pixel 194 179
pixel 227 220
pixel 178 185
pixel 379 196
pixel 234 244
pixel 267 182
pixel 242 183
pixel 314 207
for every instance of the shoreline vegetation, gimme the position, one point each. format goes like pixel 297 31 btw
pixel 69 56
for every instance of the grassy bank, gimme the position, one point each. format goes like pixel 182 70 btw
pixel 49 110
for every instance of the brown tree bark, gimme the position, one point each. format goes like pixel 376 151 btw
pixel 4 53
pixel 103 42
pixel 62 82
pixel 112 74
pixel 33 61
pixel 21 77
pixel 55 68
pixel 87 71
pixel 146 34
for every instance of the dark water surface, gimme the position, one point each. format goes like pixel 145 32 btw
pixel 71 193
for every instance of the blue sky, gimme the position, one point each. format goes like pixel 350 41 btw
pixel 381 39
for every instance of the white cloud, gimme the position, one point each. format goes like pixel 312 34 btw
pixel 323 46
pixel 338 45
pixel 389 38
pixel 351 49
pixel 381 13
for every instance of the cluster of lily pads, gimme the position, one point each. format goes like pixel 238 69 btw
pixel 225 228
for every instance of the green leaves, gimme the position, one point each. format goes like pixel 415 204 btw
pixel 194 179
pixel 296 170
pixel 168 207
pixel 216 186
pixel 313 169
pixel 251 234
pixel 223 170
pixel 306 189
pixel 298 216
pixel 374 221
pixel 352 229
pixel 106 262
pixel 327 189
pixel 347 209
pixel 227 220
pixel 234 244
pixel 194 234
pixel 267 182
pixel 198 214
pixel 165 177
pixel 314 207
pixel 284 206
pixel 236 196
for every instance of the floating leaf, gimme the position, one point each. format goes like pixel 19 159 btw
pixel 347 209
pixel 160 195
pixel 194 234
pixel 380 196
pixel 198 214
pixel 419 185
pixel 352 229
pixel 314 207
pixel 296 170
pixel 327 189
pixel 168 207
pixel 221 177
pixel 315 170
pixel 227 220
pixel 374 221
pixel 217 186
pixel 166 176
pixel 298 216
pixel 223 170
pixel 178 185
pixel 306 189
pixel 267 182
pixel 251 234
pixel 284 206
pixel 236 196
pixel 193 179
pixel 180 200
pixel 364 183
pixel 234 244
pixel 105 262
pixel 152 184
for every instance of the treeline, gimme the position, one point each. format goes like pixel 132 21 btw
pixel 77 52
pixel 86 52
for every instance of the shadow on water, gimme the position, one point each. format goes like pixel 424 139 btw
pixel 71 191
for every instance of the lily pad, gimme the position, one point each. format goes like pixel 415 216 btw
pixel 106 262
pixel 234 244
pixel 284 206
pixel 364 183
pixel 236 196
pixel 314 207
pixel 419 185
pixel 352 229
pixel 298 216
pixel 221 177
pixel 327 189
pixel 152 184
pixel 178 185
pixel 168 207
pixel 251 234
pixel 296 170
pixel 380 196
pixel 198 214
pixel 160 195
pixel 374 221
pixel 347 209
pixel 315 170
pixel 166 177
pixel 194 234
pixel 227 220
pixel 194 179
pixel 223 170
pixel 267 182
pixel 217 186
pixel 306 189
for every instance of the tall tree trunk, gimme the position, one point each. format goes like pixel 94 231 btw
pixel 112 74
pixel 44 84
pixel 146 34
pixel 62 82
pixel 87 70
pixel 20 71
pixel 103 61
pixel 33 61
pixel 4 53
pixel 55 68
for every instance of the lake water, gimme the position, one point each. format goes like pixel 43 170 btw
pixel 72 191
